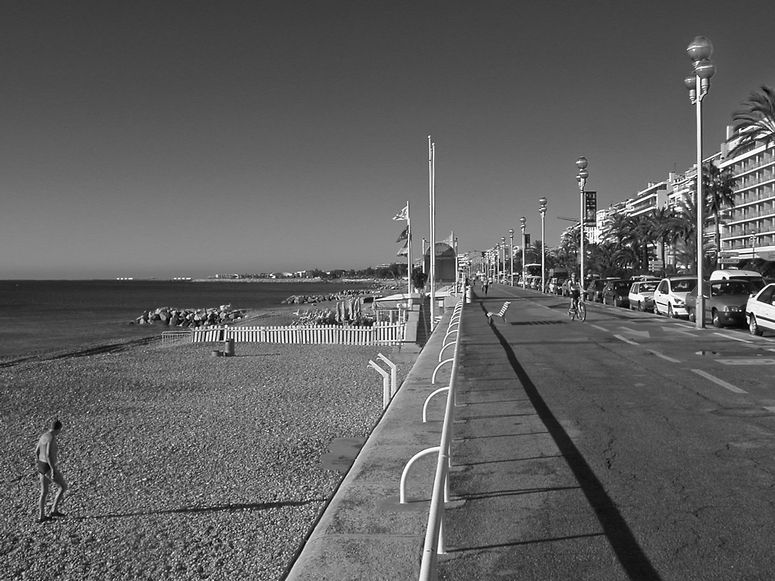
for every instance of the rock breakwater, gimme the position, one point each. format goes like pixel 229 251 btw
pixel 176 317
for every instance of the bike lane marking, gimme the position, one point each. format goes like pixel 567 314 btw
pixel 599 328
pixel 732 337
pixel 665 357
pixel 631 342
pixel 718 381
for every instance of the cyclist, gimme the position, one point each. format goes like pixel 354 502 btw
pixel 574 289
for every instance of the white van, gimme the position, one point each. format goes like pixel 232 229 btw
pixel 750 275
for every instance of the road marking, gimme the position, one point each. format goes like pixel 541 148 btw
pixel 718 381
pixel 599 328
pixel 644 334
pixel 658 354
pixel 732 337
pixel 770 408
pixel 747 361
pixel 674 330
pixel 627 340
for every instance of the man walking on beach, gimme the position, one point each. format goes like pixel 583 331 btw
pixel 46 464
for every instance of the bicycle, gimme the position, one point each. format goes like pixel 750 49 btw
pixel 578 310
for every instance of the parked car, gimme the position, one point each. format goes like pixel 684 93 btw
pixel 733 273
pixel 555 285
pixel 670 295
pixel 760 310
pixel 617 292
pixel 593 293
pixel 642 295
pixel 725 301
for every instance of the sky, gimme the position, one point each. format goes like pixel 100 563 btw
pixel 187 138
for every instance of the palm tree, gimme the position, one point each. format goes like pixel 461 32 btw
pixel 756 122
pixel 719 189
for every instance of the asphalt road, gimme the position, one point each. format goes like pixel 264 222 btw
pixel 630 446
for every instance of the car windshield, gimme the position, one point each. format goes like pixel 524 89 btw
pixel 622 285
pixel 647 287
pixel 683 286
pixel 730 287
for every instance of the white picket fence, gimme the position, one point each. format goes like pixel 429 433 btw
pixel 378 334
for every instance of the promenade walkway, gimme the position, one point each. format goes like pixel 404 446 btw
pixel 516 483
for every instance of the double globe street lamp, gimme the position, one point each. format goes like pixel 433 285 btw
pixel 581 177
pixel 542 210
pixel 522 223
pixel 698 83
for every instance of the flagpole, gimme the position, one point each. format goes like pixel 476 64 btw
pixel 432 250
pixel 409 254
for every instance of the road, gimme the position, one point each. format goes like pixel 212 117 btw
pixel 630 446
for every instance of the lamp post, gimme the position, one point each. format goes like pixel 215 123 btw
pixel 542 210
pixel 752 238
pixel 511 255
pixel 581 177
pixel 505 253
pixel 522 222
pixel 698 83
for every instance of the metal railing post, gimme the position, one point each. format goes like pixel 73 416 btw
pixel 385 383
pixel 393 374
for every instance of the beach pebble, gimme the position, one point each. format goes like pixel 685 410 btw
pixel 181 465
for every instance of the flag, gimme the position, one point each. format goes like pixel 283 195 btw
pixel 404 251
pixel 404 235
pixel 403 214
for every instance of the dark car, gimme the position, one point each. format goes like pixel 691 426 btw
pixel 617 292
pixel 594 291
pixel 725 301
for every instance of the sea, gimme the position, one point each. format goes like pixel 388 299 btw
pixel 39 316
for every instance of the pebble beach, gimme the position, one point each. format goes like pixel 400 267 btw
pixel 181 465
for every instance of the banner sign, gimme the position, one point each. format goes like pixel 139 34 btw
pixel 590 209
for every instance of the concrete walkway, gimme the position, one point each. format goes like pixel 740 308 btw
pixel 365 534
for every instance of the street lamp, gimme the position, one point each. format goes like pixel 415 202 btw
pixel 752 238
pixel 522 222
pixel 581 177
pixel 511 254
pixel 698 83
pixel 542 210
pixel 505 252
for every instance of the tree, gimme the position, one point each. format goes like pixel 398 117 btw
pixel 419 278
pixel 719 189
pixel 756 122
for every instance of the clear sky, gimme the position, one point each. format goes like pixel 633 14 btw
pixel 184 138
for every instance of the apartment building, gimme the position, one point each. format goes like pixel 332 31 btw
pixel 749 230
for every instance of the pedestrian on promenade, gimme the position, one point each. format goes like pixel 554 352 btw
pixel 46 453
pixel 485 285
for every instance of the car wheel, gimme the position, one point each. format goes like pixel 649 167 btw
pixel 692 316
pixel 753 327
pixel 716 319
pixel 640 306
pixel 670 312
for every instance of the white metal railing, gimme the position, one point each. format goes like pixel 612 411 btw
pixel 175 337
pixel 377 334
pixel 434 535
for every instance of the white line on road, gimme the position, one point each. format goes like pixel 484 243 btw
pixel 658 354
pixel 644 334
pixel 599 328
pixel 732 337
pixel 718 381
pixel 627 340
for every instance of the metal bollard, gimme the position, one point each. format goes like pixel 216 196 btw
pixel 228 350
